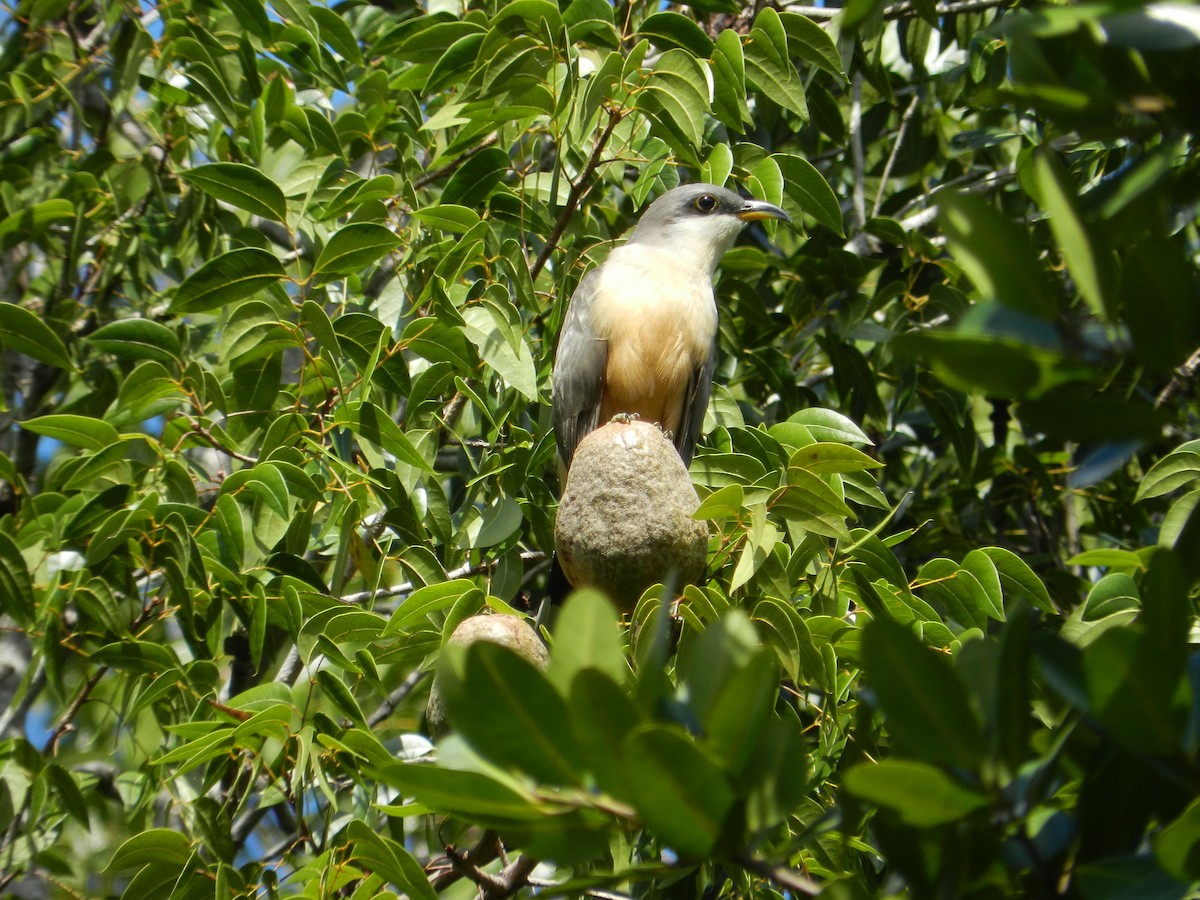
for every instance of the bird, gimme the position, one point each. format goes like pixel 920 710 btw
pixel 640 334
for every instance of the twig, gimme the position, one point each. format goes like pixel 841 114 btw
pixel 17 712
pixel 430 177
pixel 514 877
pixel 593 894
pixel 395 697
pixel 859 199
pixel 903 10
pixel 446 870
pixel 781 875
pixel 578 189
pixel 66 723
pixel 511 879
pixel 198 429
pixel 1182 377
pixel 453 410
pixel 891 160
pixel 908 10
pixel 290 670
pixel 461 572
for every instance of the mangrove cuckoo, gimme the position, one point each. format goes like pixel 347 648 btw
pixel 641 329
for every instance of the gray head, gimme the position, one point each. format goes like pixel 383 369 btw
pixel 702 219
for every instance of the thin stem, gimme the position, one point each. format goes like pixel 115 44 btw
pixel 430 177
pixel 891 160
pixel 784 877
pixel 578 188
pixel 859 198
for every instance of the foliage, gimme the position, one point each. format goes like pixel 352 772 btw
pixel 282 286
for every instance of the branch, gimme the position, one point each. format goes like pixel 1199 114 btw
pixel 859 199
pixel 395 697
pixel 578 189
pixel 511 878
pixel 903 10
pixel 15 714
pixel 863 244
pixel 784 877
pixel 197 429
pixel 907 10
pixel 448 869
pixel 461 572
pixel 891 160
pixel 1182 377
pixel 430 177
pixel 66 723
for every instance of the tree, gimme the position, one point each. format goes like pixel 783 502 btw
pixel 282 286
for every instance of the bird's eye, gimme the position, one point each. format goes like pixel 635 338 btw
pixel 706 203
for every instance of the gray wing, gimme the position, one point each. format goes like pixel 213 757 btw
pixel 578 378
pixel 695 404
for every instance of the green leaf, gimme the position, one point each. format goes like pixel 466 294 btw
pixel 475 179
pixel 78 431
pixel 509 711
pixel 136 656
pixel 677 95
pixel 945 582
pixel 538 16
pixel 737 717
pixel 1134 677
pixel 996 254
pixel 25 332
pixel 472 795
pixel 679 791
pixel 230 277
pixel 924 704
pixel 587 635
pixel 32 223
pixel 68 792
pixel 1179 467
pixel 723 503
pixel 827 425
pixel 768 66
pixel 156 845
pixel 787 631
pixel 242 186
pixel 16 588
pixel 336 33
pixel 824 457
pixel 1177 846
pixel 999 367
pixel 137 339
pixel 447 217
pixel 1128 878
pixel 388 859
pixel 602 714
pixel 922 795
pixel 811 501
pixel 502 345
pixel 811 41
pixel 1084 260
pixel 1018 580
pixel 729 82
pixel 264 481
pixel 808 189
pixel 1154 275
pixel 352 249
pixel 369 423
pixel 671 30
pixel 423 601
